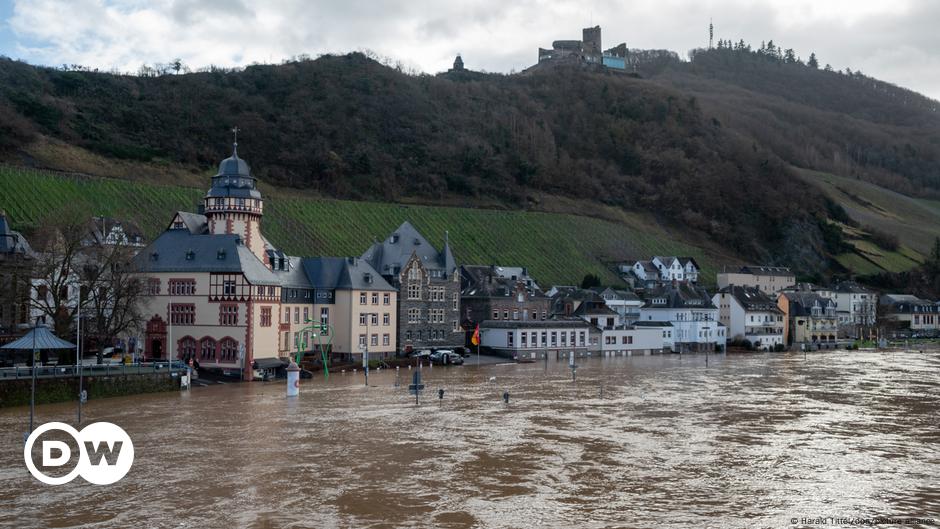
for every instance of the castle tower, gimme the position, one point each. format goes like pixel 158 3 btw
pixel 591 44
pixel 234 205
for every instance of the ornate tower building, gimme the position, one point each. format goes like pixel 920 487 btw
pixel 233 204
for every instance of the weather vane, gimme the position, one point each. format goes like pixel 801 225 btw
pixel 235 133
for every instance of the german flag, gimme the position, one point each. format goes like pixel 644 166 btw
pixel 475 339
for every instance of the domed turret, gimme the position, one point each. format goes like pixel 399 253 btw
pixel 233 204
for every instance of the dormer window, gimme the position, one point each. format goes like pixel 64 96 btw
pixel 178 225
pixel 220 255
pixel 394 238
pixel 154 256
pixel 190 255
pixel 367 277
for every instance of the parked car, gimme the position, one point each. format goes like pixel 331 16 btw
pixel 422 354
pixel 446 357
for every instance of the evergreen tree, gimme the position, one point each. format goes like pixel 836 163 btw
pixel 813 62
pixel 789 56
pixel 828 67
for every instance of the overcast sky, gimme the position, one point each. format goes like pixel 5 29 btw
pixel 897 40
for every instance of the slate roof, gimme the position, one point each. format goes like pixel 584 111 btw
pixel 680 295
pixel 344 273
pixel 233 179
pixel 182 251
pixel 802 302
pixel 12 241
pixel 516 324
pixel 490 281
pixel 751 298
pixel 395 251
pixel 196 224
pixel 766 270
pixel 624 295
pixel 850 287
pixel 593 309
pixel 294 275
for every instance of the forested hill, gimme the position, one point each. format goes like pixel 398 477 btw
pixel 706 146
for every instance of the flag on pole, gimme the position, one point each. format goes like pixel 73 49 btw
pixel 475 339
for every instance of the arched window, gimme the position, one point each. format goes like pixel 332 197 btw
pixel 207 348
pixel 187 347
pixel 228 349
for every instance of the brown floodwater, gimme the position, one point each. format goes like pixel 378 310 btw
pixel 748 441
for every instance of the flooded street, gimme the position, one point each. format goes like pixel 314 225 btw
pixel 748 441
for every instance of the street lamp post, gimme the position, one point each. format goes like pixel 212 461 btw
pixel 32 395
pixel 78 355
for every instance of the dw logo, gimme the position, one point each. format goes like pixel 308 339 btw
pixel 105 453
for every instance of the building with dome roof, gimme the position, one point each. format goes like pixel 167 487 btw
pixel 221 294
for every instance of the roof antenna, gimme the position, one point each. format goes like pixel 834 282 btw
pixel 711 32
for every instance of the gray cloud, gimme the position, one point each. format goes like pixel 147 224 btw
pixel 895 41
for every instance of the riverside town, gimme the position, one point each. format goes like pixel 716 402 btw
pixel 605 288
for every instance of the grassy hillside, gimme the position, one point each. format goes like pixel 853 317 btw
pixel 557 248
pixel 915 223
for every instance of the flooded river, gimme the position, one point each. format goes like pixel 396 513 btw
pixel 748 441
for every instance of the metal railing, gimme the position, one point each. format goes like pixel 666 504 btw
pixel 21 372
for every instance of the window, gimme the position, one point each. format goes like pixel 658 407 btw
pixel 456 302
pixel 181 314
pixel 414 273
pixel 228 315
pixel 362 319
pixel 153 286
pixel 408 335
pixel 544 339
pixel 522 339
pixel 515 314
pixel 228 288
pixel 286 314
pixel 564 338
pixel 374 318
pixel 265 316
pixel 509 338
pixel 414 291
pixel 554 338
pixel 455 326
pixel 182 287
pixel 495 314
pixel 581 338
pixel 505 314
pixel 324 320
pixel 207 348
pixel 306 314
pixel 296 314
pixel 187 347
pixel 375 340
pixel 362 298
pixel 535 341
pixel 386 299
pixel 414 315
pixel 229 349
pixel 362 340
pixel 375 298
pixel 385 339
pixel 386 319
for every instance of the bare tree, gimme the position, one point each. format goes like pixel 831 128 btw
pixel 73 264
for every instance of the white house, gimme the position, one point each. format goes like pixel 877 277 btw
pixel 750 314
pixel 669 268
pixel 625 303
pixel 527 338
pixel 856 307
pixel 690 311
pixel 631 340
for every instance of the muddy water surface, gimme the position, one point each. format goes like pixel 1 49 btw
pixel 748 441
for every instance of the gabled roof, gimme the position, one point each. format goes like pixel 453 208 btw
pixel 395 251
pixel 751 298
pixel 801 302
pixel 195 223
pixel 12 241
pixel 593 309
pixel 678 295
pixel 850 287
pixel 343 273
pixel 489 281
pixel 182 251
pixel 293 275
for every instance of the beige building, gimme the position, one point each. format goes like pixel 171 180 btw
pixel 768 279
pixel 353 301
pixel 223 296
pixel 811 319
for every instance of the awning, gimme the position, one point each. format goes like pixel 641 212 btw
pixel 268 363
pixel 39 338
